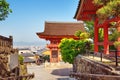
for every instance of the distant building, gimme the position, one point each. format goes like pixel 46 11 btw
pixel 24 50
pixel 28 57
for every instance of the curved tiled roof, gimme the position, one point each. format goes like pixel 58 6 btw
pixel 85 10
pixel 78 7
pixel 61 28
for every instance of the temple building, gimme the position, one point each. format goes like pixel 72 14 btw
pixel 55 31
pixel 86 11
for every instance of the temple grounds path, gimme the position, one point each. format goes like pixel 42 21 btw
pixel 59 72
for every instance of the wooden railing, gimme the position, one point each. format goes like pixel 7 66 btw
pixel 25 77
pixel 114 58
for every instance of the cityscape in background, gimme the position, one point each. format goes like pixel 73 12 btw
pixel 32 46
pixel 25 44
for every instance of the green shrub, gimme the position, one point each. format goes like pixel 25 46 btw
pixel 20 59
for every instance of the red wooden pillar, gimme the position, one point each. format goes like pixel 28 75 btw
pixel 50 54
pixel 96 36
pixel 106 45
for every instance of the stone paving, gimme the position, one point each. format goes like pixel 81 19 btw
pixel 60 72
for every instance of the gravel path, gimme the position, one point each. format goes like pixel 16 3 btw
pixel 42 73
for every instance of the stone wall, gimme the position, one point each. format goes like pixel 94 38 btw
pixel 6 49
pixel 92 69
pixel 3 65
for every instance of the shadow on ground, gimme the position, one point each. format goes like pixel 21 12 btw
pixel 62 72
pixel 62 78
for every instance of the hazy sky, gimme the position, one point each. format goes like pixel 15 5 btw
pixel 29 16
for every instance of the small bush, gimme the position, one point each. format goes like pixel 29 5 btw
pixel 20 59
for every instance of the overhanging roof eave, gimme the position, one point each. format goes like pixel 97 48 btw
pixel 78 9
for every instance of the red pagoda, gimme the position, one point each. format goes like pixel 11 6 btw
pixel 86 11
pixel 55 31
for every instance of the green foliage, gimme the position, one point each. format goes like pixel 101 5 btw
pixel 4 9
pixel 100 47
pixel 46 58
pixel 90 28
pixel 101 34
pixel 91 47
pixel 112 47
pixel 20 58
pixel 77 33
pixel 114 35
pixel 109 8
pixel 23 70
pixel 67 50
pixel 116 44
pixel 97 2
pixel 70 48
pixel 89 31
pixel 82 35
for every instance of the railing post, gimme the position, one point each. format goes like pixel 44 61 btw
pixel 94 54
pixel 88 53
pixel 116 60
pixel 101 56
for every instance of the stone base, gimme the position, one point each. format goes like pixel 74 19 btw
pixel 57 65
pixel 51 65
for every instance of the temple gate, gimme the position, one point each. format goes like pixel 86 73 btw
pixel 86 11
pixel 55 31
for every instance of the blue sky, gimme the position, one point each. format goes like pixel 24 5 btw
pixel 29 16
